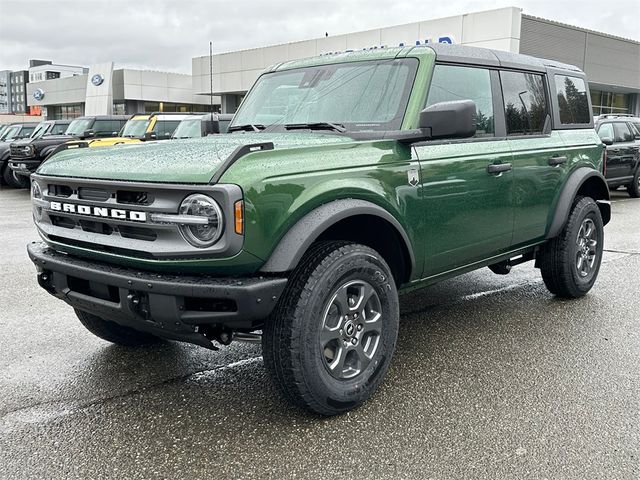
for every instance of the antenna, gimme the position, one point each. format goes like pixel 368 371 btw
pixel 211 77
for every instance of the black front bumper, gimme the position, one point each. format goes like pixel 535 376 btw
pixel 24 167
pixel 178 307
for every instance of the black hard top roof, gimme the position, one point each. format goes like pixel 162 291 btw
pixel 496 58
pixel 105 117
pixel 24 124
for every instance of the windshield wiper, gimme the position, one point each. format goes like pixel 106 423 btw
pixel 248 127
pixel 336 127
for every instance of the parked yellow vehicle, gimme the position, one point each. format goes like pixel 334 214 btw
pixel 139 128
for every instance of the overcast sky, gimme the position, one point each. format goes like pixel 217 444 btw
pixel 166 34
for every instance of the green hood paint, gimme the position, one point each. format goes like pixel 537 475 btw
pixel 178 161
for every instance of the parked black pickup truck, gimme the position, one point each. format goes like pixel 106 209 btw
pixel 28 154
pixel 621 136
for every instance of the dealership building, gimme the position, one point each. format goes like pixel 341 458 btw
pixel 611 63
pixel 103 90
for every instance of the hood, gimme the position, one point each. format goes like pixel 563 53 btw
pixel 193 160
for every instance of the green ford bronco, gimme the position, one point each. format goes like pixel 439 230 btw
pixel 345 179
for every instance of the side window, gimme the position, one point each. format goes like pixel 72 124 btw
pixel 26 131
pixel 622 133
pixel 105 127
pixel 525 103
pixel 101 126
pixel 451 83
pixel 59 129
pixel 164 128
pixel 606 130
pixel 572 100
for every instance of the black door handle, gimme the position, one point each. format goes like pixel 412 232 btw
pixel 499 167
pixel 557 160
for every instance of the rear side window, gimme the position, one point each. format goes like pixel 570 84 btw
pixel 451 83
pixel 572 100
pixel 525 103
pixel 622 133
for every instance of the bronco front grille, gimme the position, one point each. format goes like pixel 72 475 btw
pixel 80 213
pixel 17 151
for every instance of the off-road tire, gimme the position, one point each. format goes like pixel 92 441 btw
pixel 558 257
pixel 633 189
pixel 291 340
pixel 114 333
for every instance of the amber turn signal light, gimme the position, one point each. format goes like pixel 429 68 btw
pixel 239 217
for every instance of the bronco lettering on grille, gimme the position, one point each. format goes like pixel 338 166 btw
pixel 99 211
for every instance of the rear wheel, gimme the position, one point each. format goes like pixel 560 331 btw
pixel 115 333
pixel 633 189
pixel 570 262
pixel 329 343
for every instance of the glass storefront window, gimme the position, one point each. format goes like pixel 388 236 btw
pixel 609 102
pixel 55 112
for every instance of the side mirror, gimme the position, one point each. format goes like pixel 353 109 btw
pixel 210 127
pixel 607 140
pixel 89 133
pixel 455 119
pixel 150 136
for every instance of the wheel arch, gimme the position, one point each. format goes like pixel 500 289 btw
pixel 351 220
pixel 583 181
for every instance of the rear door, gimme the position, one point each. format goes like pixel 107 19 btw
pixel 540 161
pixel 467 210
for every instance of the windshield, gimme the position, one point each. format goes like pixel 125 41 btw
pixel 360 96
pixel 190 128
pixel 40 130
pixel 135 128
pixel 10 133
pixel 79 126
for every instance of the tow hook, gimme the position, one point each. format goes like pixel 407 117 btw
pixel 139 304
pixel 45 280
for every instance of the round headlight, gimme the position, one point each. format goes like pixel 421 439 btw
pixel 207 213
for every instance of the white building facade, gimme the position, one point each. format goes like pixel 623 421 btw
pixel 103 90
pixel 611 63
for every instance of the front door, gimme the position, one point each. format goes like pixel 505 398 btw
pixel 466 184
pixel 467 209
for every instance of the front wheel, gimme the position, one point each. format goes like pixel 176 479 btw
pixel 330 340
pixel 571 261
pixel 12 179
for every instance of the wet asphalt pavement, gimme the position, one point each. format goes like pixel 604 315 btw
pixel 492 378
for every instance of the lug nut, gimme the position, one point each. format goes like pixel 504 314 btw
pixel 346 343
pixel 360 327
pixel 354 341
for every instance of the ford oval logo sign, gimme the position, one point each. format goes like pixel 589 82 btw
pixel 97 79
pixel 38 94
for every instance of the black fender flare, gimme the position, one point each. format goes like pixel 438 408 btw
pixel 308 229
pixel 571 187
